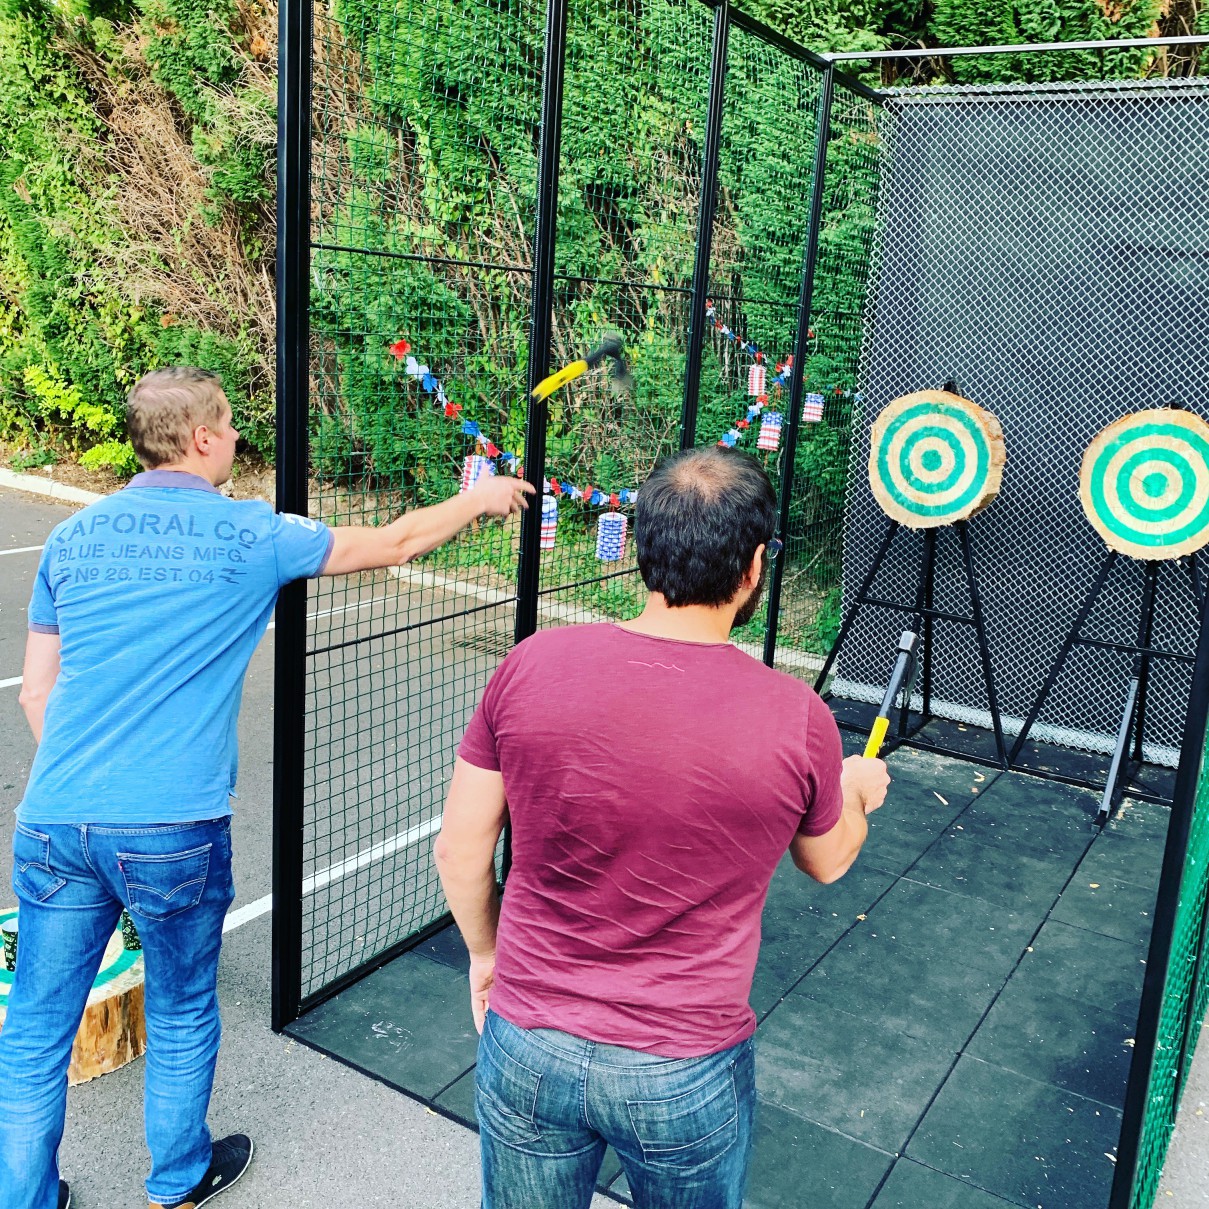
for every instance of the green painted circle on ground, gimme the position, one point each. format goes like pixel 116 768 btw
pixel 124 960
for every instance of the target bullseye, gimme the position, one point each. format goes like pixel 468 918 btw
pixel 935 458
pixel 1144 484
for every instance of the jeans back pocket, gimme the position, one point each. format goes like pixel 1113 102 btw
pixel 159 886
pixel 33 878
pixel 688 1132
pixel 505 1092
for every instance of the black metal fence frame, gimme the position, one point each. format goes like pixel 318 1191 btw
pixel 293 345
pixel 293 362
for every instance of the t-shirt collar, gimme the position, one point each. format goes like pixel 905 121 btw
pixel 173 478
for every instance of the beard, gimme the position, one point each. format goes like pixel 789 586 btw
pixel 747 610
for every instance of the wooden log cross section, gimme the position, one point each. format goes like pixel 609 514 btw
pixel 1144 484
pixel 112 1031
pixel 935 458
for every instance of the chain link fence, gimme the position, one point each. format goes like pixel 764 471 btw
pixel 1042 245
pixel 1045 248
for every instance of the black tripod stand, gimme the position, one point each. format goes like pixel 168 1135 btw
pixel 1133 717
pixel 925 614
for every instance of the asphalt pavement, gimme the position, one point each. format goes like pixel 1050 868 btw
pixel 325 1135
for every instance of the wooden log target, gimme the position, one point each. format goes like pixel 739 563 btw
pixel 1144 484
pixel 935 458
pixel 112 1031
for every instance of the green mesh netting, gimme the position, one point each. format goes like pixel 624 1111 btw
pixel 1185 997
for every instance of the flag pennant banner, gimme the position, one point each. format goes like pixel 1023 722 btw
pixel 474 466
pixel 770 432
pixel 759 386
pixel 610 537
pixel 549 521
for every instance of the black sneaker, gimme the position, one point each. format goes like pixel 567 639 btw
pixel 64 1195
pixel 229 1159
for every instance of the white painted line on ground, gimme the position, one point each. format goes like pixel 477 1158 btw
pixel 573 615
pixel 36 485
pixel 21 550
pixel 361 604
pixel 9 683
pixel 247 913
pixel 333 873
pixel 380 850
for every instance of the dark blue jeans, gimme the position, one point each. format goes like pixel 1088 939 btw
pixel 71 883
pixel 549 1102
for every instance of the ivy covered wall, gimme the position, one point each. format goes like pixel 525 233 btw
pixel 136 186
pixel 136 153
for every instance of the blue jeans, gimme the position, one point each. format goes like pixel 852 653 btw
pixel 548 1103
pixel 71 883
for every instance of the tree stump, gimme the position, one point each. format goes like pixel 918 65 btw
pixel 1144 484
pixel 935 458
pixel 112 1031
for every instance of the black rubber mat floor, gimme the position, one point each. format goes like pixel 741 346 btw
pixel 950 1025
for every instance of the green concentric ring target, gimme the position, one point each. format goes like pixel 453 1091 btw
pixel 119 966
pixel 935 458
pixel 1144 484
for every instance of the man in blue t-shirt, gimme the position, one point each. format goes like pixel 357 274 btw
pixel 146 610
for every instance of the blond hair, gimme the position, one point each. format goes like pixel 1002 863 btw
pixel 166 405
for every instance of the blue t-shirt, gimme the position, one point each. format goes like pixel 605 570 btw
pixel 159 594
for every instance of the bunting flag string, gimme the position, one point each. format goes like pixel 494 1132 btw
pixel 488 455
pixel 487 452
pixel 758 385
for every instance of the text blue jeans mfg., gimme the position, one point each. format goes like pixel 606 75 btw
pixel 548 1103
pixel 71 883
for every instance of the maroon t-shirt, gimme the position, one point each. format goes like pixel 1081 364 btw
pixel 653 785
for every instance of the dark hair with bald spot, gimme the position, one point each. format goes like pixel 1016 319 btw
pixel 699 519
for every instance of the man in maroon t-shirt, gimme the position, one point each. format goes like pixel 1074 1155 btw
pixel 654 775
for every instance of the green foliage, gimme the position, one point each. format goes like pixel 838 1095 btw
pixel 191 47
pixel 71 345
pixel 117 456
pixel 56 362
pixel 1006 22
pixel 238 160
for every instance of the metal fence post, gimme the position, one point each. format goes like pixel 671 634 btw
pixel 805 302
pixel 541 322
pixel 1179 829
pixel 705 226
pixel 293 405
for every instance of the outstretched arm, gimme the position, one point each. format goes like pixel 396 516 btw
pixel 362 548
